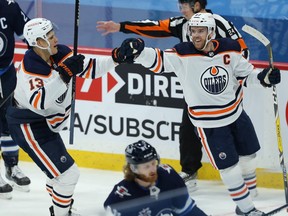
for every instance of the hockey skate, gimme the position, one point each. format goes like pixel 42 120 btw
pixel 190 181
pixel 17 178
pixel 5 189
pixel 253 212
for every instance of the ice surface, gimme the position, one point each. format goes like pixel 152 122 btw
pixel 95 185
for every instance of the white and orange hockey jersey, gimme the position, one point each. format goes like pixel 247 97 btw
pixel 212 82
pixel 41 90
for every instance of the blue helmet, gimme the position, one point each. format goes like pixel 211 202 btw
pixel 140 152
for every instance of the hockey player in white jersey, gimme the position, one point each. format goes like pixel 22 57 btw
pixel 190 147
pixel 41 107
pixel 212 74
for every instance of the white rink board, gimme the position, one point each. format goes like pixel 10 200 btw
pixel 156 124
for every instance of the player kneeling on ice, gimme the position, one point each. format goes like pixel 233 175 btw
pixel 41 107
pixel 212 74
pixel 149 188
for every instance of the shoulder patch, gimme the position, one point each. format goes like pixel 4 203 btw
pixel 166 167
pixel 122 191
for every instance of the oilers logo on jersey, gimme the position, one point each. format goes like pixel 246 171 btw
pixel 214 80
pixel 61 98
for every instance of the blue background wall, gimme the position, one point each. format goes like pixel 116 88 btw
pixel 268 16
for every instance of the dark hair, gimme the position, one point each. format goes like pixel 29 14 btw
pixel 203 3
pixel 191 2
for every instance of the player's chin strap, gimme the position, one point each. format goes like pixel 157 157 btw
pixel 207 39
pixel 45 48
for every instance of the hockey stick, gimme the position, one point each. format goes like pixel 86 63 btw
pixel 259 36
pixel 6 99
pixel 277 210
pixel 72 114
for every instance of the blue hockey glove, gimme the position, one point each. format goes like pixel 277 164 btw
pixel 117 56
pixel 128 51
pixel 269 77
pixel 71 66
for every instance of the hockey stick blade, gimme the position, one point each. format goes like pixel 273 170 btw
pixel 256 34
pixel 260 37
pixel 275 211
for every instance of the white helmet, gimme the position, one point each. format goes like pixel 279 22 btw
pixel 37 28
pixel 203 20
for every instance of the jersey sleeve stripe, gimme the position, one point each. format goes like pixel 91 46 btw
pixel 158 60
pixel 242 43
pixel 89 71
pixel 150 29
pixel 36 100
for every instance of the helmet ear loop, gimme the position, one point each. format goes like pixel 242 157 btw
pixel 134 168
pixel 45 48
pixel 158 159
pixel 210 34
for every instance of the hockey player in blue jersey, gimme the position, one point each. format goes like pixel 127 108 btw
pixel 149 188
pixel 212 74
pixel 12 20
pixel 41 107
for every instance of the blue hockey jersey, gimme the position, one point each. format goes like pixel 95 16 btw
pixel 12 20
pixel 130 199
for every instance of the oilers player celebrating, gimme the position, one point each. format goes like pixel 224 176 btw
pixel 41 107
pixel 149 188
pixel 212 74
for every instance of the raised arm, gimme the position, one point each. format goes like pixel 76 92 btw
pixel 107 27
pixel 171 27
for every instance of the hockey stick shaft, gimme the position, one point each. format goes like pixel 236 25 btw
pixel 72 114
pixel 259 36
pixel 277 210
pixel 6 99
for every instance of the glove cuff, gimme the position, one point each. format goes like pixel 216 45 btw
pixel 68 71
pixel 63 74
pixel 262 80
